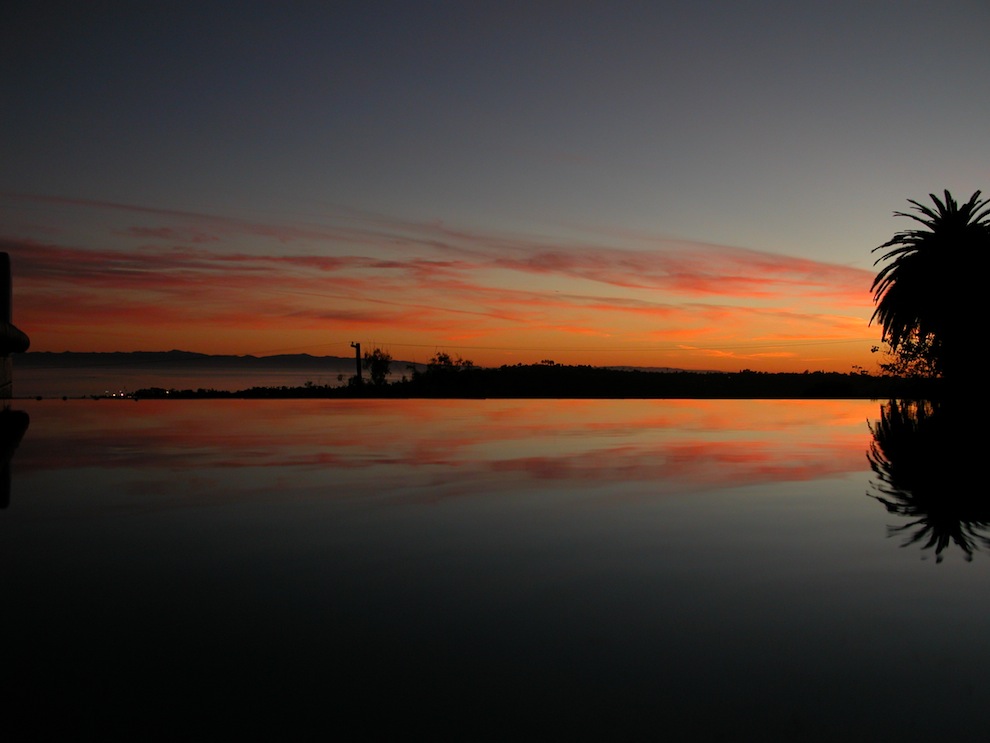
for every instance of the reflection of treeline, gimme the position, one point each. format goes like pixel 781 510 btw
pixel 549 380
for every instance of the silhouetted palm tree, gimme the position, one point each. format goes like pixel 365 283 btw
pixel 935 284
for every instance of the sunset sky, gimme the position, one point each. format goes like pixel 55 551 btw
pixel 696 184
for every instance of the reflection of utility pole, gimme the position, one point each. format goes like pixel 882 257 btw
pixel 357 360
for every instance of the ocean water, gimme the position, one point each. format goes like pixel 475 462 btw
pixel 486 570
pixel 111 378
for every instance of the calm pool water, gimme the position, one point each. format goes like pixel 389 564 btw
pixel 703 570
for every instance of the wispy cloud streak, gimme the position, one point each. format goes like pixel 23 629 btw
pixel 176 273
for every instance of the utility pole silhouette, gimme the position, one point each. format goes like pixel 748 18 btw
pixel 357 360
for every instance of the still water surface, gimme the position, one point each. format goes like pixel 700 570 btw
pixel 490 569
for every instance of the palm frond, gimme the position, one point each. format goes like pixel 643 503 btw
pixel 917 287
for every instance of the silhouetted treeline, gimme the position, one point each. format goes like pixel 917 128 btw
pixel 558 381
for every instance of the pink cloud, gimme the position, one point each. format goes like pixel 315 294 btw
pixel 418 281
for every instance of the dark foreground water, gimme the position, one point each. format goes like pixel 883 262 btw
pixel 497 570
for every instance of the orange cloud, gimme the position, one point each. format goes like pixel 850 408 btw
pixel 187 280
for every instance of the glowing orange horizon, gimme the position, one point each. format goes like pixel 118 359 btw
pixel 162 280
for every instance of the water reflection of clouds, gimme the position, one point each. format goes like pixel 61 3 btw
pixel 319 543
pixel 434 448
pixel 694 464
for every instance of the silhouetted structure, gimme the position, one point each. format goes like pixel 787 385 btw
pixel 12 340
pixel 13 423
pixel 357 361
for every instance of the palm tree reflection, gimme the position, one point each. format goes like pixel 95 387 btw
pixel 918 449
